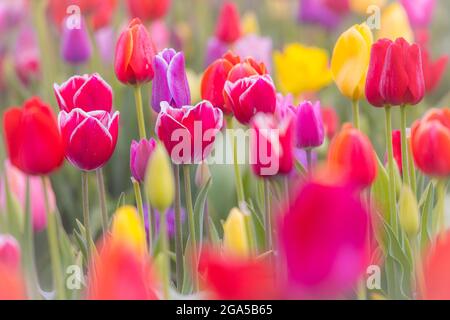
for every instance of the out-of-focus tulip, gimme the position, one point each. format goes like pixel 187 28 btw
pixel 134 56
pixel 140 152
pixel 33 140
pixel 408 212
pixel 127 229
pixel 330 121
pixel 259 48
pixel 12 284
pixel 395 23
pixel 229 277
pixel 430 141
pixel 420 12
pixel 432 70
pixel 352 153
pixel 27 60
pixel 170 83
pixel 235 233
pixel 215 49
pixel 361 6
pixel 160 34
pixel 170 220
pixel 188 133
pixel 11 14
pixel 76 46
pixel 395 74
pixel 89 137
pixel 9 252
pixel 228 28
pixel 160 180
pixel 310 130
pixel 301 69
pixel 87 92
pixel 148 10
pixel 436 264
pixel 194 81
pixel 350 61
pixel 104 39
pixel 17 186
pixel 323 238
pixel 319 12
pixel 250 24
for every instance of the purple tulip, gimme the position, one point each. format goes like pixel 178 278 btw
pixel 170 219
pixel 170 82
pixel 75 45
pixel 318 12
pixel 215 49
pixel 420 12
pixel 310 129
pixel 140 152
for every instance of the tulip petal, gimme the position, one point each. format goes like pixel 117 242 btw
pixel 94 94
pixel 160 86
pixel 177 81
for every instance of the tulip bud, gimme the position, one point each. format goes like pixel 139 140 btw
pixel 235 233
pixel 408 211
pixel 228 27
pixel 310 129
pixel 76 47
pixel 140 152
pixel 127 229
pixel 9 251
pixel 159 180
pixel 202 175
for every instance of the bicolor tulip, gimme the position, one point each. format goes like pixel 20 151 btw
pixel 76 47
pixel 331 122
pixel 395 75
pixel 140 152
pixel 352 154
pixel 188 133
pixel 127 230
pixel 134 55
pixel 310 131
pixel 395 23
pixel 430 141
pixel 235 233
pixel 10 253
pixel 350 61
pixel 228 28
pixel 323 236
pixel 87 92
pixel 32 138
pixel 27 58
pixel 89 137
pixel 436 264
pixel 420 12
pixel 148 10
pixel 250 95
pixel 170 83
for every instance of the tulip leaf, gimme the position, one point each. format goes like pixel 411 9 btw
pixel 213 233
pixel 199 211
pixel 426 208
pixel 380 192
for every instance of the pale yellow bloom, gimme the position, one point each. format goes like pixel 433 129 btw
pixel 395 23
pixel 408 211
pixel 127 229
pixel 361 6
pixel 301 69
pixel 235 233
pixel 249 23
pixel 350 61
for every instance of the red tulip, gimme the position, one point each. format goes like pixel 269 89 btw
pixel 432 70
pixel 90 137
pixel 352 153
pixel 395 74
pixel 135 52
pixel 188 133
pixel 330 121
pixel 228 27
pixel 397 145
pixel 32 138
pixel 430 141
pixel 148 10
pixel 436 266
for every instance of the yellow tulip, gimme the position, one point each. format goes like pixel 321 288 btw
pixel 301 69
pixel 127 229
pixel 395 23
pixel 350 61
pixel 250 23
pixel 160 180
pixel 235 233
pixel 408 211
pixel 361 6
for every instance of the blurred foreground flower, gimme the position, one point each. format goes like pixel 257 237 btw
pixel 235 239
pixel 12 284
pixel 436 265
pixel 331 121
pixel 127 230
pixel 395 23
pixel 10 253
pixel 420 12
pixel 433 70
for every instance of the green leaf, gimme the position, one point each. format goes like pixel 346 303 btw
pixel 213 233
pixel 426 209
pixel 380 192
pixel 199 211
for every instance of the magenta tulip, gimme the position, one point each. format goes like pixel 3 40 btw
pixel 140 152
pixel 310 129
pixel 9 252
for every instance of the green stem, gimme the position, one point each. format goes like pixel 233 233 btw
pixel 86 218
pixel 439 221
pixel 29 246
pixel 268 216
pixel 237 170
pixel 190 209
pixel 102 199
pixel 140 112
pixel 392 191
pixel 178 229
pixel 412 170
pixel 309 160
pixel 55 257
pixel 140 206
pixel 165 252
pixel 405 163
pixel 355 109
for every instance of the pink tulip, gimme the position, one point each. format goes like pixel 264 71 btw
pixel 9 252
pixel 420 12
pixel 27 56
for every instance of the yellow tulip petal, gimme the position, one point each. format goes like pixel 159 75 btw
pixel 127 229
pixel 395 23
pixel 235 233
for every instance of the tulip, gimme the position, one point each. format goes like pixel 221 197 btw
pixel 32 138
pixel 420 12
pixel 194 80
pixel 170 83
pixel 148 10
pixel 140 152
pixel 9 252
pixel 352 152
pixel 436 264
pixel 408 212
pixel 330 121
pixel 104 39
pixel 248 96
pixel 310 129
pixel 12 284
pixel 323 238
pixel 128 230
pixel 362 6
pixel 228 28
pixel 76 47
pixel 134 56
pixel 350 61
pixel 250 24
pixel 319 12
pixel 170 220
pixel 301 69
pixel 87 92
pixel 215 49
pixel 188 133
pixel 397 148
pixel 432 70
pixel 27 60
pixel 89 137
pixel 235 233
pixel 395 23
pixel 260 48
pixel 12 13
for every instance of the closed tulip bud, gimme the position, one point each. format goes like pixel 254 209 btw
pixel 202 175
pixel 395 23
pixel 250 24
pixel 408 211
pixel 235 233
pixel 140 152
pixel 148 10
pixel 350 61
pixel 330 122
pixel 228 28
pixel 160 180
pixel 76 47
pixel 9 252
pixel 420 12
pixel 310 130
pixel 127 229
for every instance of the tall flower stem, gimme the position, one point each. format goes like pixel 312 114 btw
pixel 140 206
pixel 29 245
pixel 178 229
pixel 140 112
pixel 405 163
pixel 309 160
pixel 390 148
pixel 86 218
pixel 52 234
pixel 237 170
pixel 102 199
pixel 190 210
pixel 439 222
pixel 355 109
pixel 165 251
pixel 268 215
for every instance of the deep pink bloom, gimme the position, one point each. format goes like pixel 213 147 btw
pixel 188 133
pixel 420 12
pixel 323 238
pixel 88 93
pixel 250 95
pixel 140 152
pixel 9 252
pixel 310 130
pixel 89 137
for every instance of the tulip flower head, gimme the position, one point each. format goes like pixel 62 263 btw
pixel 27 59
pixel 228 28
pixel 12 284
pixel 235 233
pixel 420 12
pixel 127 229
pixel 310 129
pixel 9 252
pixel 76 47
pixel 148 10
pixel 330 121
pixel 319 12
pixel 140 152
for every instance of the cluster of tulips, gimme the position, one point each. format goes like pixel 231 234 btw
pixel 325 215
